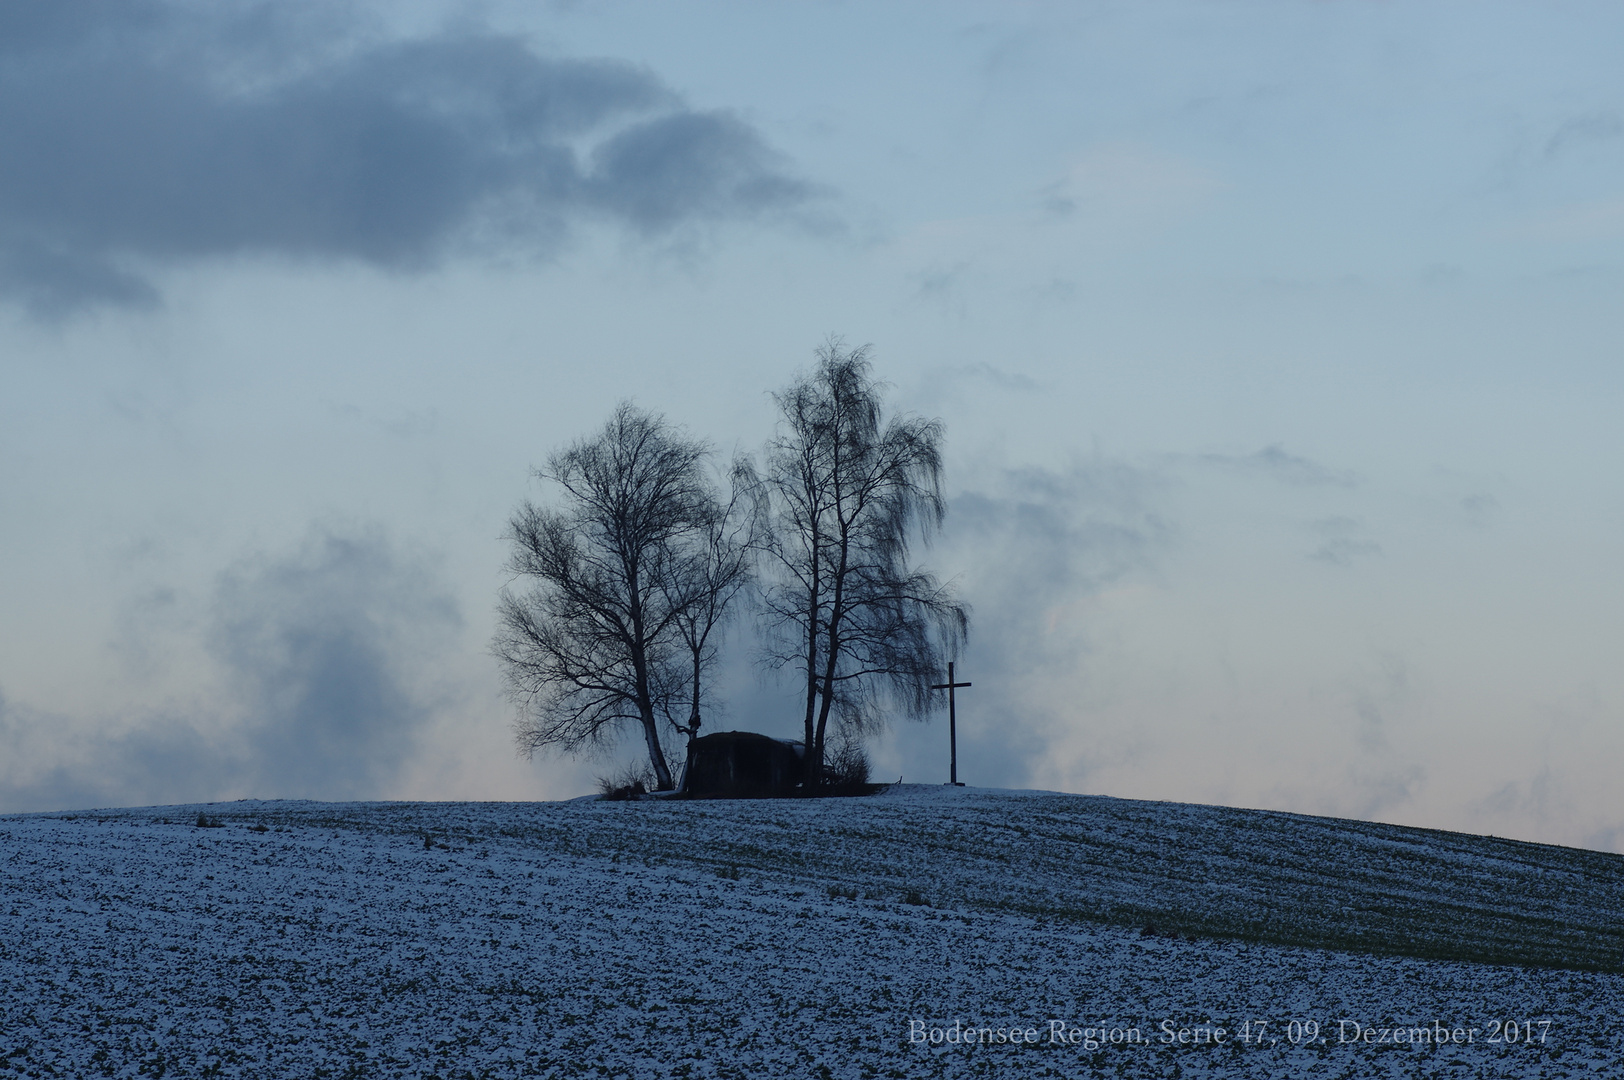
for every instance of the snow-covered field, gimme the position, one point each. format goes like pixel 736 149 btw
pixel 841 937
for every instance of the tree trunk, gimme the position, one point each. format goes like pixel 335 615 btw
pixel 809 763
pixel 824 707
pixel 831 659
pixel 656 756
pixel 693 711
pixel 809 774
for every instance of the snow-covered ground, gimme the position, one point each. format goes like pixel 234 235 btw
pixel 842 937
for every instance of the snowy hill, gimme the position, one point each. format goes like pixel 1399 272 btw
pixel 797 938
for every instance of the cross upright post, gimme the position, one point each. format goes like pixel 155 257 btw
pixel 952 724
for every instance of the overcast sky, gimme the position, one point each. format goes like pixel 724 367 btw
pixel 1277 344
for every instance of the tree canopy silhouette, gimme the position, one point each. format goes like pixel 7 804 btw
pixel 846 489
pixel 628 576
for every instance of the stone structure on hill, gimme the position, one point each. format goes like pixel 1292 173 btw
pixel 741 764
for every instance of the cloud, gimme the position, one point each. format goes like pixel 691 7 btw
pixel 943 286
pixel 1085 526
pixel 1534 799
pixel 661 172
pixel 984 372
pixel 53 283
pixel 1042 542
pixel 1480 509
pixel 1597 127
pixel 323 645
pixel 1386 775
pixel 1275 462
pixel 1341 541
pixel 57 762
pixel 1379 791
pixel 1375 696
pixel 324 652
pixel 145 134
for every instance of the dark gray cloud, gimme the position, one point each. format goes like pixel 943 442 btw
pixel 26 27
pixel 51 283
pixel 138 135
pixel 325 652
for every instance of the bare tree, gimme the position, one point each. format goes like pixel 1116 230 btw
pixel 848 489
pixel 596 643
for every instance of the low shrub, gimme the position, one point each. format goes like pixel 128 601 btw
pixel 632 782
pixel 845 765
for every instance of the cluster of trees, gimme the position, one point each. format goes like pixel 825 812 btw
pixel 629 579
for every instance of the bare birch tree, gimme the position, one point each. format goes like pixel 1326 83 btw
pixel 848 489
pixel 596 644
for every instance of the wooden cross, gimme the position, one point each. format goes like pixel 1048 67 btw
pixel 952 723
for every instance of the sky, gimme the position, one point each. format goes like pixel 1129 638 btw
pixel 1276 344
